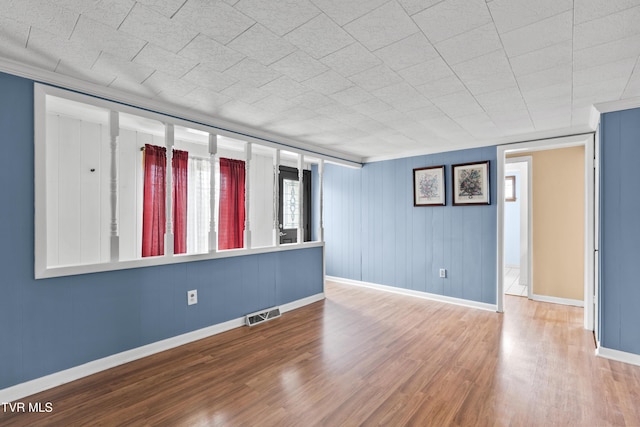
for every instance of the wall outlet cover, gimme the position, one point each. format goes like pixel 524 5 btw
pixel 192 297
pixel 443 272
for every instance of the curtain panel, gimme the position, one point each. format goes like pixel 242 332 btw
pixel 198 205
pixel 154 200
pixel 180 162
pixel 232 214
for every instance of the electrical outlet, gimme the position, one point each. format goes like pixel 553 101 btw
pixel 443 273
pixel 192 297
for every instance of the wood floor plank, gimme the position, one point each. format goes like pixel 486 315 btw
pixel 365 357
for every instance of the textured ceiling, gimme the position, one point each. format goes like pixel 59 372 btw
pixel 370 78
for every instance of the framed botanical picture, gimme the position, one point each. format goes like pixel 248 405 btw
pixel 428 186
pixel 510 188
pixel 471 184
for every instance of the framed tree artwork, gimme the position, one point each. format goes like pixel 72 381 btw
pixel 471 184
pixel 429 186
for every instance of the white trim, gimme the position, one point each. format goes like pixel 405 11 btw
pixel 558 300
pixel 412 293
pixel 620 356
pixel 162 260
pixel 38 385
pixel 554 143
pixel 622 104
pixel 222 126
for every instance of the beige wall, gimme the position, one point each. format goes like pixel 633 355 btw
pixel 558 222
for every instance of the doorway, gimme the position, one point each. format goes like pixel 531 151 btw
pixel 290 205
pixel 516 226
pixel 586 141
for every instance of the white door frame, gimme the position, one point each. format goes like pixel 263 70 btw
pixel 526 194
pixel 587 141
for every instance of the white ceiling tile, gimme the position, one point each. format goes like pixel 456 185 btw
pixel 403 97
pixel 446 127
pixel 458 104
pixel 125 84
pixel 109 12
pixel 216 19
pixel 542 59
pixel 503 100
pixel 554 95
pixel 581 116
pixel 371 107
pixel 204 75
pixel 17 52
pixel 99 36
pixel 513 122
pixel 279 16
pixel 351 60
pixel 72 53
pixel 168 62
pixel 204 49
pixel 552 119
pixel 587 10
pixel 43 14
pixel 606 52
pixel 245 93
pixel 207 101
pixel 274 103
pixel 633 85
pixel 600 73
pixel 343 12
pixel 426 72
pixel 299 114
pixel 319 37
pixel 126 71
pixel 480 126
pixel 285 87
pixel 262 45
pixel 407 52
pixel 166 7
pixel 469 45
pixel 328 83
pixel 414 6
pixel 452 17
pixel 156 28
pixel 240 112
pixel 511 14
pixel 299 66
pixel 550 77
pixel 13 32
pixel 491 83
pixel 376 78
pixel 423 114
pixel 352 96
pixel 84 74
pixel 606 29
pixel 539 35
pixel 251 72
pixel 382 26
pixel 483 66
pixel 610 89
pixel 312 100
pixel 168 87
pixel 441 87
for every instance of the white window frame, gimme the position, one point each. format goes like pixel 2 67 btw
pixel 41 269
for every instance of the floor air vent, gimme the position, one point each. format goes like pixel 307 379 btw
pixel 262 316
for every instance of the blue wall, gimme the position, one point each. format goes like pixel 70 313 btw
pixel 55 324
pixel 512 226
pixel 375 234
pixel 620 231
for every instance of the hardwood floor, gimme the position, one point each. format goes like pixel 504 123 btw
pixel 365 357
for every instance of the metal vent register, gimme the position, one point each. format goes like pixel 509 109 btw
pixel 262 316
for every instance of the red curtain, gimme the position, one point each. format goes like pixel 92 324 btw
pixel 180 177
pixel 154 210
pixel 231 218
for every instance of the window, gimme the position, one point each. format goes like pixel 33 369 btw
pixel 119 187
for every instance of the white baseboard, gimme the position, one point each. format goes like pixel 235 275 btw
pixel 556 300
pixel 620 356
pixel 37 385
pixel 418 294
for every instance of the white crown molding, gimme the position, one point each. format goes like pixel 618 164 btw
pixel 619 105
pixel 38 385
pixel 620 356
pixel 112 94
pixel 417 294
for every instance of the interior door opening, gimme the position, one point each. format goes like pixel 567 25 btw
pixel 290 205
